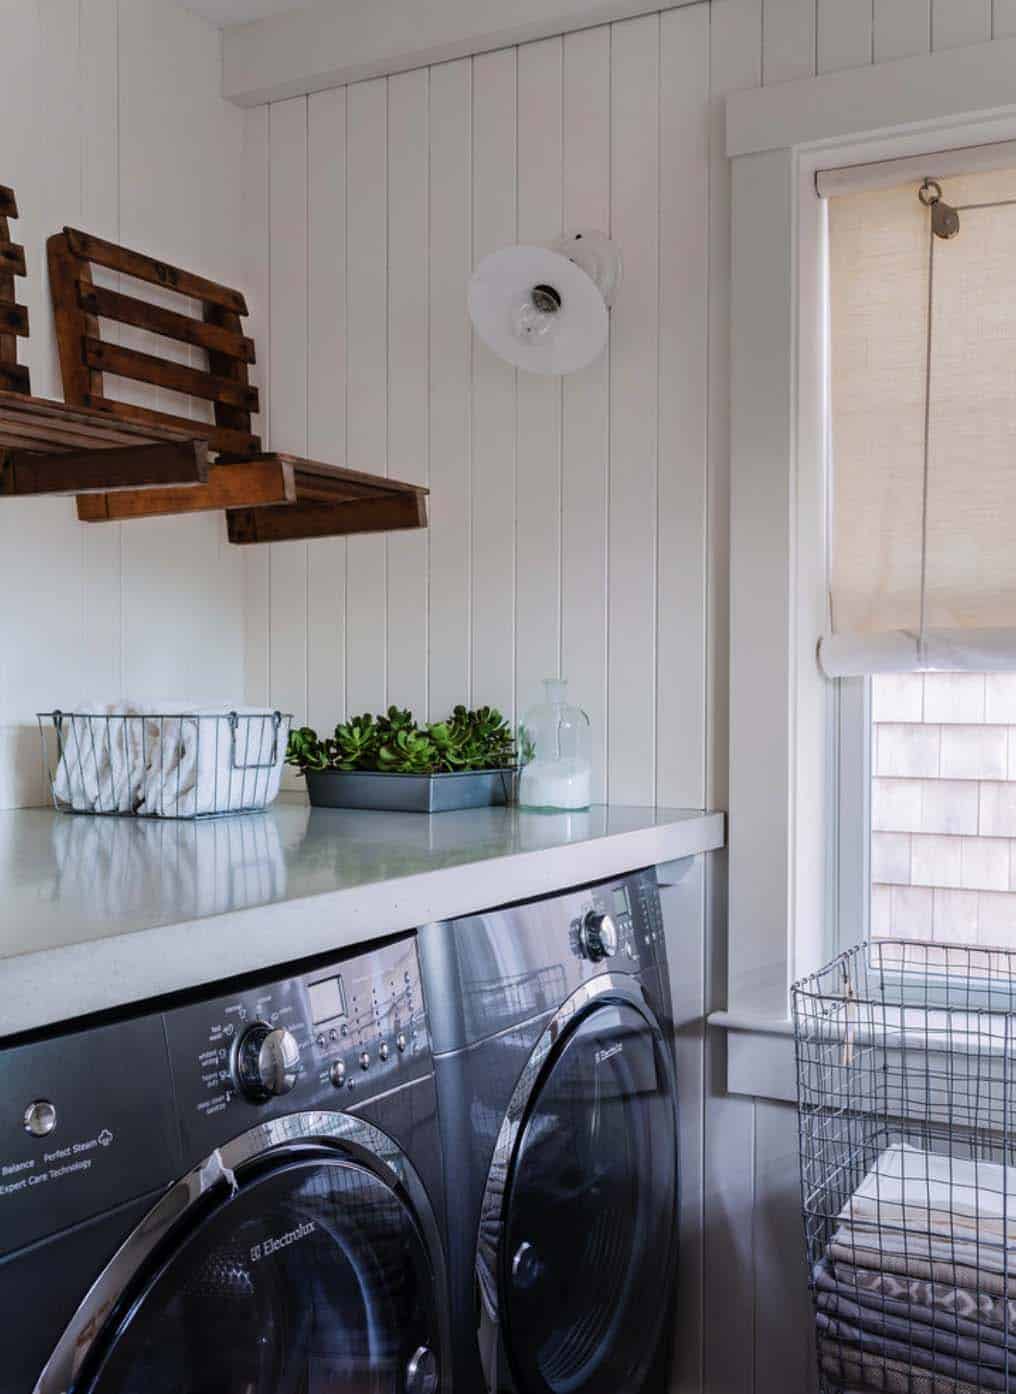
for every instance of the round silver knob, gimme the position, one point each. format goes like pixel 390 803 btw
pixel 364 1060
pixel 422 1372
pixel 337 1074
pixel 598 937
pixel 400 1042
pixel 267 1062
pixel 40 1118
pixel 383 1051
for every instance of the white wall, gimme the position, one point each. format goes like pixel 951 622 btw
pixel 568 519
pixel 112 122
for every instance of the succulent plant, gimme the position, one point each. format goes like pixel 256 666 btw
pixel 394 743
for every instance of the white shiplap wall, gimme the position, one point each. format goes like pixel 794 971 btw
pixel 568 524
pixel 112 121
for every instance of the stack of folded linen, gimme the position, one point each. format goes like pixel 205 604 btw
pixel 176 760
pixel 917 1291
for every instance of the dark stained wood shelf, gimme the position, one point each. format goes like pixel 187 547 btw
pixel 267 496
pixel 51 448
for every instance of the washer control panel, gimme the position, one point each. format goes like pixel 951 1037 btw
pixel 328 1038
pixel 612 930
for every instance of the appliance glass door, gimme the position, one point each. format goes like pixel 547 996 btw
pixel 590 1213
pixel 311 1279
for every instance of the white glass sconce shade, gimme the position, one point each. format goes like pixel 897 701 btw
pixel 544 309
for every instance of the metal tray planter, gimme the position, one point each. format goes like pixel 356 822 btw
pixel 409 793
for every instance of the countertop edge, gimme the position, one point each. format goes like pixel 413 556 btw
pixel 59 985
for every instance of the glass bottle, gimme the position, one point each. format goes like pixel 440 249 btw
pixel 555 743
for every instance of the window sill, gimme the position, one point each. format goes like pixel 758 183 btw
pixel 760 1054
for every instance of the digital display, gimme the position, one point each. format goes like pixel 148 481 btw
pixel 326 1000
pixel 620 901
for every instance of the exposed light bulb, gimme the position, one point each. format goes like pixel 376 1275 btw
pixel 536 318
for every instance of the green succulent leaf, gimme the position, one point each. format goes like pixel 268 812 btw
pixel 394 743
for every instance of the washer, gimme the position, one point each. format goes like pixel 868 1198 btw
pixel 240 1191
pixel 553 1050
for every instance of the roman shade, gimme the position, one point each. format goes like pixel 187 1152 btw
pixel 923 428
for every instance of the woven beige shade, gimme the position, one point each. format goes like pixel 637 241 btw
pixel 918 551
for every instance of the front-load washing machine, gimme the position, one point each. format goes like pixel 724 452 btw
pixel 552 1038
pixel 238 1193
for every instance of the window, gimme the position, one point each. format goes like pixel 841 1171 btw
pixel 943 807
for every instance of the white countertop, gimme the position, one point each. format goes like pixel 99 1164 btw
pixel 98 912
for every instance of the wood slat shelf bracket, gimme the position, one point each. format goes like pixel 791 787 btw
pixel 51 448
pixel 266 496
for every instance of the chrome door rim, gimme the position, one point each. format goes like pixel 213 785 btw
pixel 372 1145
pixel 488 1241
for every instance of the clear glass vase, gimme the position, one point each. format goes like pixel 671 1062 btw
pixel 555 745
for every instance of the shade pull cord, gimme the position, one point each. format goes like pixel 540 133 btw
pixel 930 195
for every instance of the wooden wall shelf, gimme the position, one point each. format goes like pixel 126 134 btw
pixel 267 496
pixel 51 448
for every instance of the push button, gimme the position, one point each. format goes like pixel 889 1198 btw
pixel 364 1060
pixel 40 1118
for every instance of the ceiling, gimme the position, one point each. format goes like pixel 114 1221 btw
pixel 223 12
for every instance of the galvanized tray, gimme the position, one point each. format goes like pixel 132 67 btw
pixel 409 793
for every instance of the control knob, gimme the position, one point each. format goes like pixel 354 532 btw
pixel 598 937
pixel 267 1062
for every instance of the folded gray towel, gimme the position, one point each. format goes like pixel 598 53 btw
pixel 975 1305
pixel 861 1371
pixel 905 1321
pixel 937 1270
pixel 978 1376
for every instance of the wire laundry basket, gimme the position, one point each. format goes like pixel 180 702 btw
pixel 185 764
pixel 907 1110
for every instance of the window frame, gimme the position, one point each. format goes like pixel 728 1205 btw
pixel 799 748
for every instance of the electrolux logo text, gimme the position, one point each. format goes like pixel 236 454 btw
pixel 267 1247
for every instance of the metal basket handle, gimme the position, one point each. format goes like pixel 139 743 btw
pixel 270 763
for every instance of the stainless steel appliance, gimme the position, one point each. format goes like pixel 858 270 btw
pixel 240 1191
pixel 552 1038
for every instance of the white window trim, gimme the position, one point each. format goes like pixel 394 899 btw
pixel 791 758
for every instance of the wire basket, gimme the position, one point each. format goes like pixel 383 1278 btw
pixel 185 764
pixel 906 1114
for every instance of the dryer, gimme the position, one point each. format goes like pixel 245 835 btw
pixel 553 1053
pixel 238 1193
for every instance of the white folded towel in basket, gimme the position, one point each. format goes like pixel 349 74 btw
pixel 177 760
pixel 214 760
pixel 103 761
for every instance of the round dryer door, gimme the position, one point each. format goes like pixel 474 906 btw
pixel 312 1278
pixel 588 1233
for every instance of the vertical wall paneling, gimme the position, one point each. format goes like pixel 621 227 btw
pixel 367 378
pixel 1003 19
pixel 788 39
pixel 408 397
pixel 634 410
pixel 326 396
pixel 179 192
pixel 449 266
pixel 683 396
pixel 101 548
pixel 586 402
pixel 493 488
pixel 734 62
pixel 256 221
pixel 113 121
pixel 288 373
pixel 844 34
pixel 783 1316
pixel 958 22
pixel 538 402
pixel 902 29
